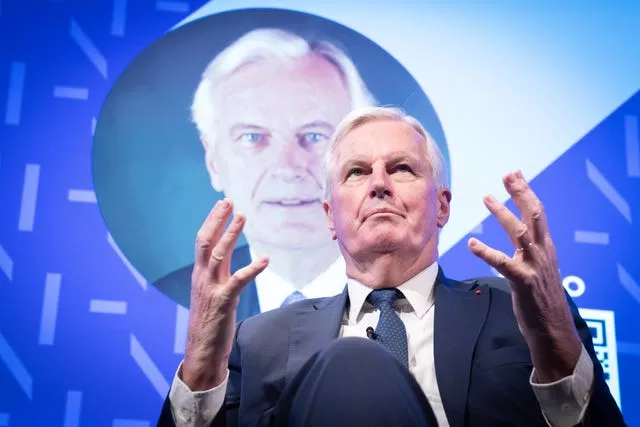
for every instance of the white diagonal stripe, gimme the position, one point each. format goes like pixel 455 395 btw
pixel 29 197
pixel 83 196
pixel 148 367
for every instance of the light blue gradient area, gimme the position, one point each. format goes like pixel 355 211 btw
pixel 4 419
pixel 525 80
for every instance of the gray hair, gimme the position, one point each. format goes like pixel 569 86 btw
pixel 269 43
pixel 364 115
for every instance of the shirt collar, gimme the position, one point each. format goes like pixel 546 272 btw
pixel 418 290
pixel 273 289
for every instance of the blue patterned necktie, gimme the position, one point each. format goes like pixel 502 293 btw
pixel 294 296
pixel 390 331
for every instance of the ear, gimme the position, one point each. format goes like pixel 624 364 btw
pixel 210 162
pixel 444 207
pixel 329 213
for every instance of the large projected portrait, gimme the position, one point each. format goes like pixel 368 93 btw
pixel 240 105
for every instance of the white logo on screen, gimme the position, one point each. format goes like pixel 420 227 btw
pixel 603 330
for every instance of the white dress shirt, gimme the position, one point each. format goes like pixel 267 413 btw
pixel 273 289
pixel 563 402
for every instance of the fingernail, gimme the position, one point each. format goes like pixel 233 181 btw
pixel 224 204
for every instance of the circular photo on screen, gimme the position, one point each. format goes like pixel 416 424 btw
pixel 239 104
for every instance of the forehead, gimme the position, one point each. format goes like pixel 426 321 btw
pixel 381 139
pixel 303 88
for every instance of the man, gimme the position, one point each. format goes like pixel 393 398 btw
pixel 265 109
pixel 476 353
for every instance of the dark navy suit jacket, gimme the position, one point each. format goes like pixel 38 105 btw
pixel 177 285
pixel 482 361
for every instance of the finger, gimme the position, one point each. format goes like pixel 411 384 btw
pixel 517 231
pixel 211 230
pixel 496 259
pixel 240 278
pixel 528 204
pixel 220 259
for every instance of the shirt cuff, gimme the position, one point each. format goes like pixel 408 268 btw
pixel 565 401
pixel 195 408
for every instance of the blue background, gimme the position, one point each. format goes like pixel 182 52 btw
pixel 62 364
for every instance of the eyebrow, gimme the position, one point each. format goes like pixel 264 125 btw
pixel 394 160
pixel 317 124
pixel 243 127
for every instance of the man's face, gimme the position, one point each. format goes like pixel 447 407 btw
pixel 274 121
pixel 383 196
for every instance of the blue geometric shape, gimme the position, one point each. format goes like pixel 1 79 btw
pixel 4 419
pixel 15 366
pixel 107 307
pixel 628 283
pixel 66 92
pixel 632 348
pixel 608 191
pixel 130 423
pixel 148 367
pixel 6 263
pixel 591 237
pixel 29 197
pixel 632 143
pixel 89 49
pixel 182 321
pixel 49 309
pixel 172 6
pixel 72 410
pixel 83 196
pixel 119 17
pixel 14 96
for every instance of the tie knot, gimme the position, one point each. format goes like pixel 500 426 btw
pixel 294 296
pixel 384 297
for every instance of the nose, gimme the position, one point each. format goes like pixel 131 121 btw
pixel 379 183
pixel 291 162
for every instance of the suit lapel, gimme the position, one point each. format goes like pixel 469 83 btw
pixel 314 327
pixel 460 313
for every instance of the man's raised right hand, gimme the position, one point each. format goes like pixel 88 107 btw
pixel 214 298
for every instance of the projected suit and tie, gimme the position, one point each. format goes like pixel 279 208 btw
pixel 265 109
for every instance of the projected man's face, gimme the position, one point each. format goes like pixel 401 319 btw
pixel 273 123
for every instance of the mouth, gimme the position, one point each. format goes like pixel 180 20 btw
pixel 382 211
pixel 291 203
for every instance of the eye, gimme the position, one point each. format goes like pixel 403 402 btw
pixel 313 137
pixel 251 138
pixel 403 168
pixel 355 172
